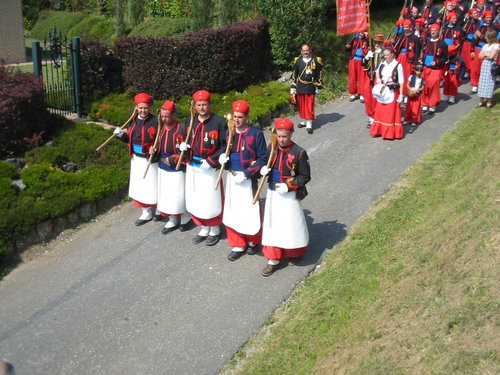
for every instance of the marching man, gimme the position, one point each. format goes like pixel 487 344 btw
pixel 140 136
pixel 207 143
pixel 247 155
pixel 284 230
pixel 171 182
pixel 306 83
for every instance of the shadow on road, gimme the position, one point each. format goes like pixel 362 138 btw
pixel 326 118
pixel 322 237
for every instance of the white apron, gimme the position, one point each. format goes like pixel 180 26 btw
pixel 144 190
pixel 284 221
pixel 239 212
pixel 171 187
pixel 202 200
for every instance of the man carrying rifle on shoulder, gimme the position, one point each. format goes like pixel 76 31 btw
pixel 207 143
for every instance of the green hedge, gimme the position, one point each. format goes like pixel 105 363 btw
pixel 93 26
pixel 263 98
pixel 63 21
pixel 161 26
pixel 50 191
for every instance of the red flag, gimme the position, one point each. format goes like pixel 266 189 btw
pixel 351 16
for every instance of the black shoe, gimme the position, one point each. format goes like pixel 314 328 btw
pixel 235 255
pixel 309 131
pixel 157 218
pixel 168 230
pixel 294 261
pixel 252 250
pixel 269 269
pixel 301 125
pixel 431 113
pixel 199 239
pixel 212 240
pixel 187 226
pixel 140 222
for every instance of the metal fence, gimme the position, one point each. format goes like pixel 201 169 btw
pixel 58 63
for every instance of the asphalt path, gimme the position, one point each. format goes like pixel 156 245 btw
pixel 112 298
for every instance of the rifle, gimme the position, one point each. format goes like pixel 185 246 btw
pixel 274 147
pixel 190 128
pixel 229 144
pixel 155 144
pixel 134 115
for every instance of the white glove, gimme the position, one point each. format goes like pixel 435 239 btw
pixel 118 132
pixel 223 158
pixel 184 146
pixel 204 166
pixel 317 92
pixel 369 55
pixel 264 171
pixel 292 91
pixel 239 177
pixel 281 188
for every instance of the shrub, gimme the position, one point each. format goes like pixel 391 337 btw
pixel 216 60
pixel 7 170
pixel 101 71
pixel 162 26
pixel 22 112
pixel 63 21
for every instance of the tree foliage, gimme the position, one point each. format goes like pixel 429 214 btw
pixel 293 23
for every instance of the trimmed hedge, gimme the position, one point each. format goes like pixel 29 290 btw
pixel 52 192
pixel 23 114
pixel 161 27
pixel 264 98
pixel 218 60
pixel 101 71
pixel 63 21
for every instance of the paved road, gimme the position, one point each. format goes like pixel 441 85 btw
pixel 118 299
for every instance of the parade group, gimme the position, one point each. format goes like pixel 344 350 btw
pixel 429 48
pixel 176 169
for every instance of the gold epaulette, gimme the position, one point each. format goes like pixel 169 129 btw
pixel 320 60
pixel 295 60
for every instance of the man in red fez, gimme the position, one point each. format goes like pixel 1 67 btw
pixel 171 182
pixel 357 48
pixel 284 229
pixel 140 136
pixel 435 55
pixel 306 83
pixel 246 157
pixel 371 62
pixel 207 142
pixel 407 51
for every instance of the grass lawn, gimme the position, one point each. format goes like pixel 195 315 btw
pixel 414 288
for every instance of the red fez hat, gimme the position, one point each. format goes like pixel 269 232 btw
pixel 480 2
pixel 487 13
pixel 387 43
pixel 143 98
pixel 435 26
pixel 452 48
pixel 168 106
pixel 450 15
pixel 283 123
pixel 419 21
pixel 378 38
pixel 241 106
pixel 405 10
pixel 201 96
pixel 471 11
pixel 399 22
pixel 407 22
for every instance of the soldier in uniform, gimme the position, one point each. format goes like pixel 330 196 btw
pixel 171 182
pixel 306 83
pixel 207 143
pixel 435 55
pixel 140 136
pixel 357 47
pixel 285 233
pixel 371 62
pixel 407 50
pixel 248 154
